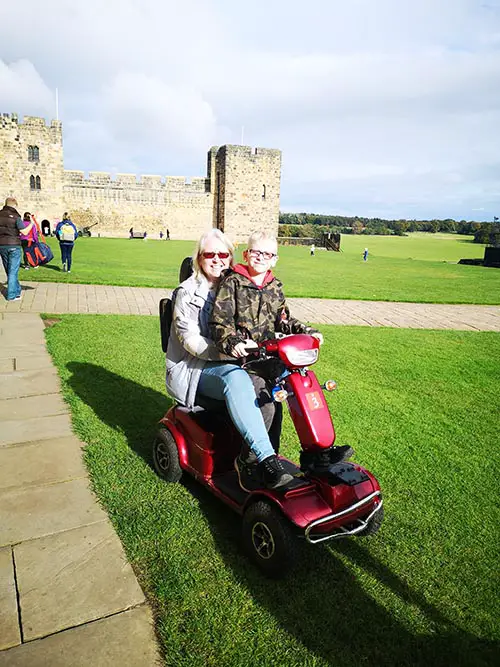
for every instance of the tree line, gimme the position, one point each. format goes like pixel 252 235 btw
pixel 312 225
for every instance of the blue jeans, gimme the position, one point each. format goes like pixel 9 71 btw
pixel 66 250
pixel 11 260
pixel 232 384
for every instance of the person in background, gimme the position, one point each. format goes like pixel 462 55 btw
pixel 28 237
pixel 168 235
pixel 66 233
pixel 10 246
pixel 161 236
pixel 131 233
pixel 365 255
pixel 312 250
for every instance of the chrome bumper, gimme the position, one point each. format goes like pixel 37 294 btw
pixel 344 532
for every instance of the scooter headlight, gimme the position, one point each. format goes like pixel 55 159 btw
pixel 303 357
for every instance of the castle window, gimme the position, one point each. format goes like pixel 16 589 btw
pixel 32 183
pixel 38 183
pixel 263 192
pixel 33 154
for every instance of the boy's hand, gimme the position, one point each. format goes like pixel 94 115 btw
pixel 241 349
pixel 318 336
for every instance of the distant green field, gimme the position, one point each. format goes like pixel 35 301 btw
pixel 418 268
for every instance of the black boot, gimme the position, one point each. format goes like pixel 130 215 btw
pixel 342 453
pixel 321 460
pixel 273 473
pixel 268 474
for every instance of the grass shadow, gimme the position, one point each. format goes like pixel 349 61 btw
pixel 322 604
pixel 122 404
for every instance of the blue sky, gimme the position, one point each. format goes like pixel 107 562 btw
pixel 385 108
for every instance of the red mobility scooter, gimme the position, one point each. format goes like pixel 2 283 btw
pixel 324 501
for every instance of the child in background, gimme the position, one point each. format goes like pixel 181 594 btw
pixel 30 237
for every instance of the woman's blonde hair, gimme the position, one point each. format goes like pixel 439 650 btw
pixel 202 243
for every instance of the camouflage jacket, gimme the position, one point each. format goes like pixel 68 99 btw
pixel 243 310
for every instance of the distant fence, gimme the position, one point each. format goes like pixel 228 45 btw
pixel 296 240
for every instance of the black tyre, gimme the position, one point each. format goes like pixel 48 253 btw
pixel 166 456
pixel 374 524
pixel 268 539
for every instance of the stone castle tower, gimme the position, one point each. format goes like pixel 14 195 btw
pixel 239 194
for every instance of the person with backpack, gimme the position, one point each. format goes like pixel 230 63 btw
pixel 66 233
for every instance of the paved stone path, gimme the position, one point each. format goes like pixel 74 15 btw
pixel 71 298
pixel 68 596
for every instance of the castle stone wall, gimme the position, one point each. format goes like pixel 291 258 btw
pixel 247 190
pixel 239 194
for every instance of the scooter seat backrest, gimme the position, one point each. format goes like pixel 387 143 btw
pixel 167 304
pixel 166 316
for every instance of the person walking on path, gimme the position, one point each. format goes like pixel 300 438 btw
pixel 10 245
pixel 365 255
pixel 66 233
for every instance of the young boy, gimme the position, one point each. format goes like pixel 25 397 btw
pixel 250 307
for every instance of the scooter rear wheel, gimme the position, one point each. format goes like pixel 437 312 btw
pixel 166 456
pixel 268 539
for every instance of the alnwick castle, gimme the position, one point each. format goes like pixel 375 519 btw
pixel 239 194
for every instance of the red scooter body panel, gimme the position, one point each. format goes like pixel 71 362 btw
pixel 309 411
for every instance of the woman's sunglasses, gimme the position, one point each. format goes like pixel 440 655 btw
pixel 211 255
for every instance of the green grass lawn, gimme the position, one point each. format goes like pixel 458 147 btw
pixel 421 409
pixel 419 268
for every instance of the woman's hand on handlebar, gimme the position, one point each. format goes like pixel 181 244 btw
pixel 244 348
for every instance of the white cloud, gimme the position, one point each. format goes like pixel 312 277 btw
pixel 21 88
pixel 391 105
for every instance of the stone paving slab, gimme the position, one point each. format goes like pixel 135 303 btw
pixel 29 383
pixel 33 512
pixel 33 362
pixel 30 406
pixel 7 365
pixel 28 429
pixel 71 578
pixel 16 350
pixel 107 299
pixel 122 640
pixel 41 462
pixel 9 617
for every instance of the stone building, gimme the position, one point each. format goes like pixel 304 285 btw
pixel 239 194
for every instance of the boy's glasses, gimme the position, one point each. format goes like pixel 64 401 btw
pixel 258 253
pixel 211 255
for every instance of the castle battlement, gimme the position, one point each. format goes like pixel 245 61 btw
pixel 249 152
pixel 142 182
pixel 31 122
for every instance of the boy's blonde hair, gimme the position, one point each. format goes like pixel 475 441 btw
pixel 201 245
pixel 261 235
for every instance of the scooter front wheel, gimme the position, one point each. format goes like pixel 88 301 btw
pixel 268 539
pixel 166 456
